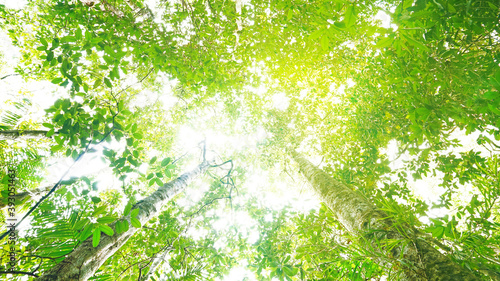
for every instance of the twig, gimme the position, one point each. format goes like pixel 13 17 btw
pixel 8 75
pixel 19 272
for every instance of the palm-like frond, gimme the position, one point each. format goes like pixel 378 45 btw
pixel 11 118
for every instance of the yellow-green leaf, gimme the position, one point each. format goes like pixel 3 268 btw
pixel 96 237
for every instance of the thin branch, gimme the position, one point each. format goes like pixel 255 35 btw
pixel 19 272
pixel 8 75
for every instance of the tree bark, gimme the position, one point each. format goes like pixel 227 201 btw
pixel 85 260
pixel 416 258
pixel 20 134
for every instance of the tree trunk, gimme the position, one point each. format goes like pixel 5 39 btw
pixel 417 258
pixel 85 260
pixel 20 134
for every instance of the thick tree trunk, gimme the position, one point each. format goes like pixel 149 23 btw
pixel 85 260
pixel 19 134
pixel 421 261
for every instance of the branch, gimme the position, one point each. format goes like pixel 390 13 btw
pixel 8 75
pixel 19 272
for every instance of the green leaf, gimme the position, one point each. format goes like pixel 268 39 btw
pixel 489 95
pixel 106 219
pixel 78 34
pixel 55 148
pixel 416 43
pixel 86 180
pixel 95 199
pixel 134 213
pixel 494 109
pixel 97 83
pixel 127 209
pixel 107 230
pixel 96 237
pixel 316 34
pixel 438 231
pixel 87 231
pixel 134 162
pixel 56 80
pixel 165 161
pixel 121 226
pixel 125 225
pixel 423 112
pixel 108 83
pixel 324 43
pixel 81 224
pixel 350 16
pixel 99 211
pixel 135 222
pixel 109 60
pixel 168 173
pixel 384 42
pixel 50 56
pixel 153 160
pixel 159 182
pixel 48 125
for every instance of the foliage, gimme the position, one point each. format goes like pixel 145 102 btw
pixel 321 76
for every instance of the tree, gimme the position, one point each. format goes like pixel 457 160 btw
pixel 350 88
pixel 401 243
pixel 86 259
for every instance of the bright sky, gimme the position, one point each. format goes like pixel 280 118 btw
pixel 14 4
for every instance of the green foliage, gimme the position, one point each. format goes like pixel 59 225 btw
pixel 352 88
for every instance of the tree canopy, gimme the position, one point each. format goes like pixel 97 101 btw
pixel 250 140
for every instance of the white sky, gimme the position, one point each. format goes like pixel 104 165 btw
pixel 14 4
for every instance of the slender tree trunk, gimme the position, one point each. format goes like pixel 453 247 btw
pixel 85 260
pixel 20 134
pixel 417 258
pixel 23 196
